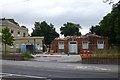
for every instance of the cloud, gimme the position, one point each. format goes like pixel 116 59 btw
pixel 57 12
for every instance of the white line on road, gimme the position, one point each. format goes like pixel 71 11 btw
pixel 9 74
pixel 92 68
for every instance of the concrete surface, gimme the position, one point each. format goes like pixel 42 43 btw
pixel 57 57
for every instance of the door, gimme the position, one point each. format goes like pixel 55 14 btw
pixel 73 47
pixel 23 48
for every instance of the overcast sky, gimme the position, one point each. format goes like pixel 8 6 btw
pixel 57 12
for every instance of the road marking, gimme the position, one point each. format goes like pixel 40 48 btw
pixel 91 68
pixel 9 74
pixel 4 75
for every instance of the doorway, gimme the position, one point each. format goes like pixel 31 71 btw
pixel 73 47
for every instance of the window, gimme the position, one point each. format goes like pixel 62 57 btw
pixel 100 44
pixel 38 46
pixel 18 34
pixel 23 34
pixel 17 45
pixel 85 45
pixel 11 46
pixel 61 45
pixel 23 44
pixel 12 31
pixel 72 42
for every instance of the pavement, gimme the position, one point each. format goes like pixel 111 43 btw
pixel 57 57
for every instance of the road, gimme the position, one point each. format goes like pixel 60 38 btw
pixel 48 72
pixel 55 73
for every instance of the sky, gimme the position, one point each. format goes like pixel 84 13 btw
pixel 57 12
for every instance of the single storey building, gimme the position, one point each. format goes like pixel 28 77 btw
pixel 74 44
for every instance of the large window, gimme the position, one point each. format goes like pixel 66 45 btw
pixel 61 45
pixel 85 45
pixel 100 44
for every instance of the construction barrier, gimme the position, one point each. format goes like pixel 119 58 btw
pixel 86 52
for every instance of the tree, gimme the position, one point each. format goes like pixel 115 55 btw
pixel 70 29
pixel 7 37
pixel 109 1
pixel 43 29
pixel 96 29
pixel 110 25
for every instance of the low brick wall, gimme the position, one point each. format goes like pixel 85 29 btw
pixel 94 60
pixel 12 57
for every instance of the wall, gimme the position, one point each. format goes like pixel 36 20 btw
pixel 26 41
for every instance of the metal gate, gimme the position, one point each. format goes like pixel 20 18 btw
pixel 30 48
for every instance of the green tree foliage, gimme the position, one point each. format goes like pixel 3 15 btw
pixel 109 1
pixel 110 25
pixel 70 29
pixel 43 29
pixel 7 37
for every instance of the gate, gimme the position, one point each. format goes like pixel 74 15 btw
pixel 30 48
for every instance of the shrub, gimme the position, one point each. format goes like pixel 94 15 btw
pixel 106 53
pixel 27 55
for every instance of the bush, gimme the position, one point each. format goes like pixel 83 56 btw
pixel 106 53
pixel 27 55
pixel 5 52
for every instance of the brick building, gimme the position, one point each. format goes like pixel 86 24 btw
pixel 74 44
